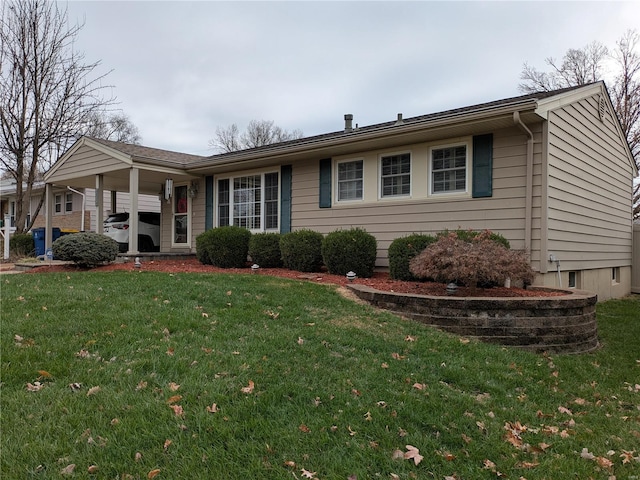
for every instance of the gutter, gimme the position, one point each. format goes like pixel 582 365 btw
pixel 528 206
pixel 84 201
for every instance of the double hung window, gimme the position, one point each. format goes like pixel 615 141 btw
pixel 350 180
pixel 68 204
pixel 449 169
pixel 249 201
pixel 395 175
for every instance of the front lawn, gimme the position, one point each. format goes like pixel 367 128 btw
pixel 137 375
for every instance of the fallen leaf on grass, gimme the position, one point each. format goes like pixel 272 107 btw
pixel 300 341
pixel 171 351
pixel 304 429
pixel 173 386
pixel 92 469
pixel 413 453
pixel 93 391
pixel 565 410
pixel 44 374
pixel 604 462
pixel 153 473
pixel 420 386
pixel 68 470
pixel 587 455
pixel 174 399
pixel 137 457
pixel 167 444
pixel 75 386
pixel 409 338
pixel 35 386
pixel 397 356
pixel 177 410
pixel 249 388
pixel 213 408
pixel 307 473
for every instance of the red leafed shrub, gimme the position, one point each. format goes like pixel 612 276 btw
pixel 472 262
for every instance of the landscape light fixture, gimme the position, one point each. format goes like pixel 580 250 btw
pixel 136 263
pixel 351 275
pixel 452 289
pixel 254 268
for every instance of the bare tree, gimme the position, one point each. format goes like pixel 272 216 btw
pixel 587 65
pixel 116 126
pixel 47 93
pixel 257 134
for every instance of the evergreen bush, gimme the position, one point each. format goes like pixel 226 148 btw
pixel 202 243
pixel 264 249
pixel 22 245
pixel 468 235
pixel 302 250
pixel 350 250
pixel 86 249
pixel 227 247
pixel 402 250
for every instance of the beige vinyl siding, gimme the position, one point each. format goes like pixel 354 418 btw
pixel 389 219
pixel 86 161
pixel 589 193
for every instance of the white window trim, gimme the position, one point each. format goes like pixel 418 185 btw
pixel 58 202
pixel 380 186
pixel 68 198
pixel 189 215
pixel 337 199
pixel 468 178
pixel 262 173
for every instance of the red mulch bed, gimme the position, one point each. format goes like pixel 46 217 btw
pixel 379 281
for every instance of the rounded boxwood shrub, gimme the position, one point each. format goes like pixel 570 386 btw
pixel 86 249
pixel 350 250
pixel 264 249
pixel 402 250
pixel 227 247
pixel 202 241
pixel 302 250
pixel 22 245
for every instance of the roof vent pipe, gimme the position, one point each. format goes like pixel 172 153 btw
pixel 399 121
pixel 348 122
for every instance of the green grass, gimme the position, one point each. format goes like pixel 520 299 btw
pixel 338 387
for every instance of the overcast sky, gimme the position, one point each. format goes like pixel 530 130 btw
pixel 180 69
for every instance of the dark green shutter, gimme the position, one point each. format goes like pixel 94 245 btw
pixel 325 183
pixel 285 198
pixel 482 166
pixel 208 211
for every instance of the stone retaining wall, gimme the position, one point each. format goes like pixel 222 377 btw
pixel 559 324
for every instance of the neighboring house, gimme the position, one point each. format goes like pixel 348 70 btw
pixel 73 209
pixel 552 172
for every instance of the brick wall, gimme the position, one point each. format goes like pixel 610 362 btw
pixel 71 220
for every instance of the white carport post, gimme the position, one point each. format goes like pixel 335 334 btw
pixel 99 204
pixel 134 178
pixel 48 219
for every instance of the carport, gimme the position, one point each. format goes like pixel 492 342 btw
pixel 116 167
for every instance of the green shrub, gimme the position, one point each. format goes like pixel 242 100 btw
pixel 479 262
pixel 227 247
pixel 22 245
pixel 468 235
pixel 202 242
pixel 302 250
pixel 350 250
pixel 86 249
pixel 402 250
pixel 264 249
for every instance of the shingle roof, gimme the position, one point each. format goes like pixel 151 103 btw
pixel 183 160
pixel 151 155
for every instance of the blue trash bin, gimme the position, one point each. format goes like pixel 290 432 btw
pixel 39 239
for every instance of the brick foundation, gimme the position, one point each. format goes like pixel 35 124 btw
pixel 560 324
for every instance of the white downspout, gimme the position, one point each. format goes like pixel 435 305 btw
pixel 84 201
pixel 528 205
